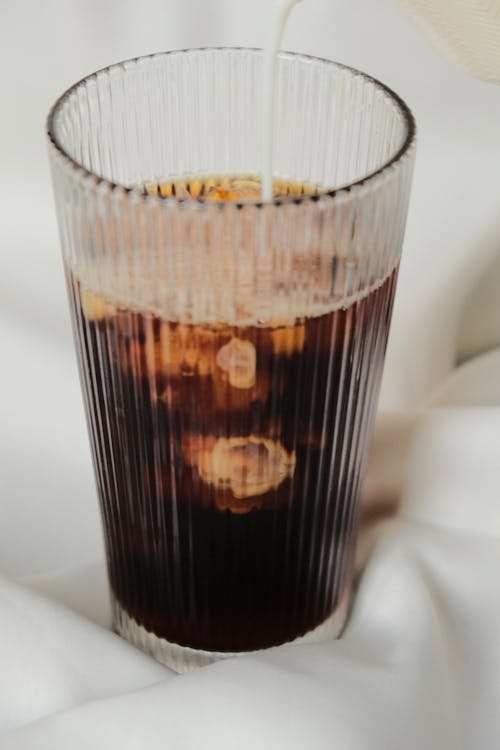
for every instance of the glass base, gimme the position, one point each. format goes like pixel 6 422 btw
pixel 184 659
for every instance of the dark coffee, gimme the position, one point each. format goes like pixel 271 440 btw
pixel 227 460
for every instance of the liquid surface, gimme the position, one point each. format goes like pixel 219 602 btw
pixel 225 188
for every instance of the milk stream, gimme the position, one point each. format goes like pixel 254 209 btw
pixel 280 11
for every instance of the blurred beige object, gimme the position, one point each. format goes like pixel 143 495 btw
pixel 465 31
pixel 479 329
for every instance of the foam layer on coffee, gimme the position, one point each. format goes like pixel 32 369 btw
pixel 236 269
pixel 103 294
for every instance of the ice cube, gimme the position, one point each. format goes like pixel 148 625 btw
pixel 246 466
pixel 181 349
pixel 288 340
pixel 95 307
pixel 239 359
pixel 234 189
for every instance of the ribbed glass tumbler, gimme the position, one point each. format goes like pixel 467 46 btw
pixel 230 349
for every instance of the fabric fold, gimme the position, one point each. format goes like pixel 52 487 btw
pixel 417 667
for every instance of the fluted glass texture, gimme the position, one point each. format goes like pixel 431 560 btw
pixel 230 350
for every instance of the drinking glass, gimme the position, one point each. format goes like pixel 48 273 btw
pixel 230 349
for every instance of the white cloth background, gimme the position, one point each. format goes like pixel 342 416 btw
pixel 419 665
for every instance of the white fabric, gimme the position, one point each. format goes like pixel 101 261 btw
pixel 466 32
pixel 419 665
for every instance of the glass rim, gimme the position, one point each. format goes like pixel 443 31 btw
pixel 363 184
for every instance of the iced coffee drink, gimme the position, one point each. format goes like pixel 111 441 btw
pixel 231 275
pixel 224 452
